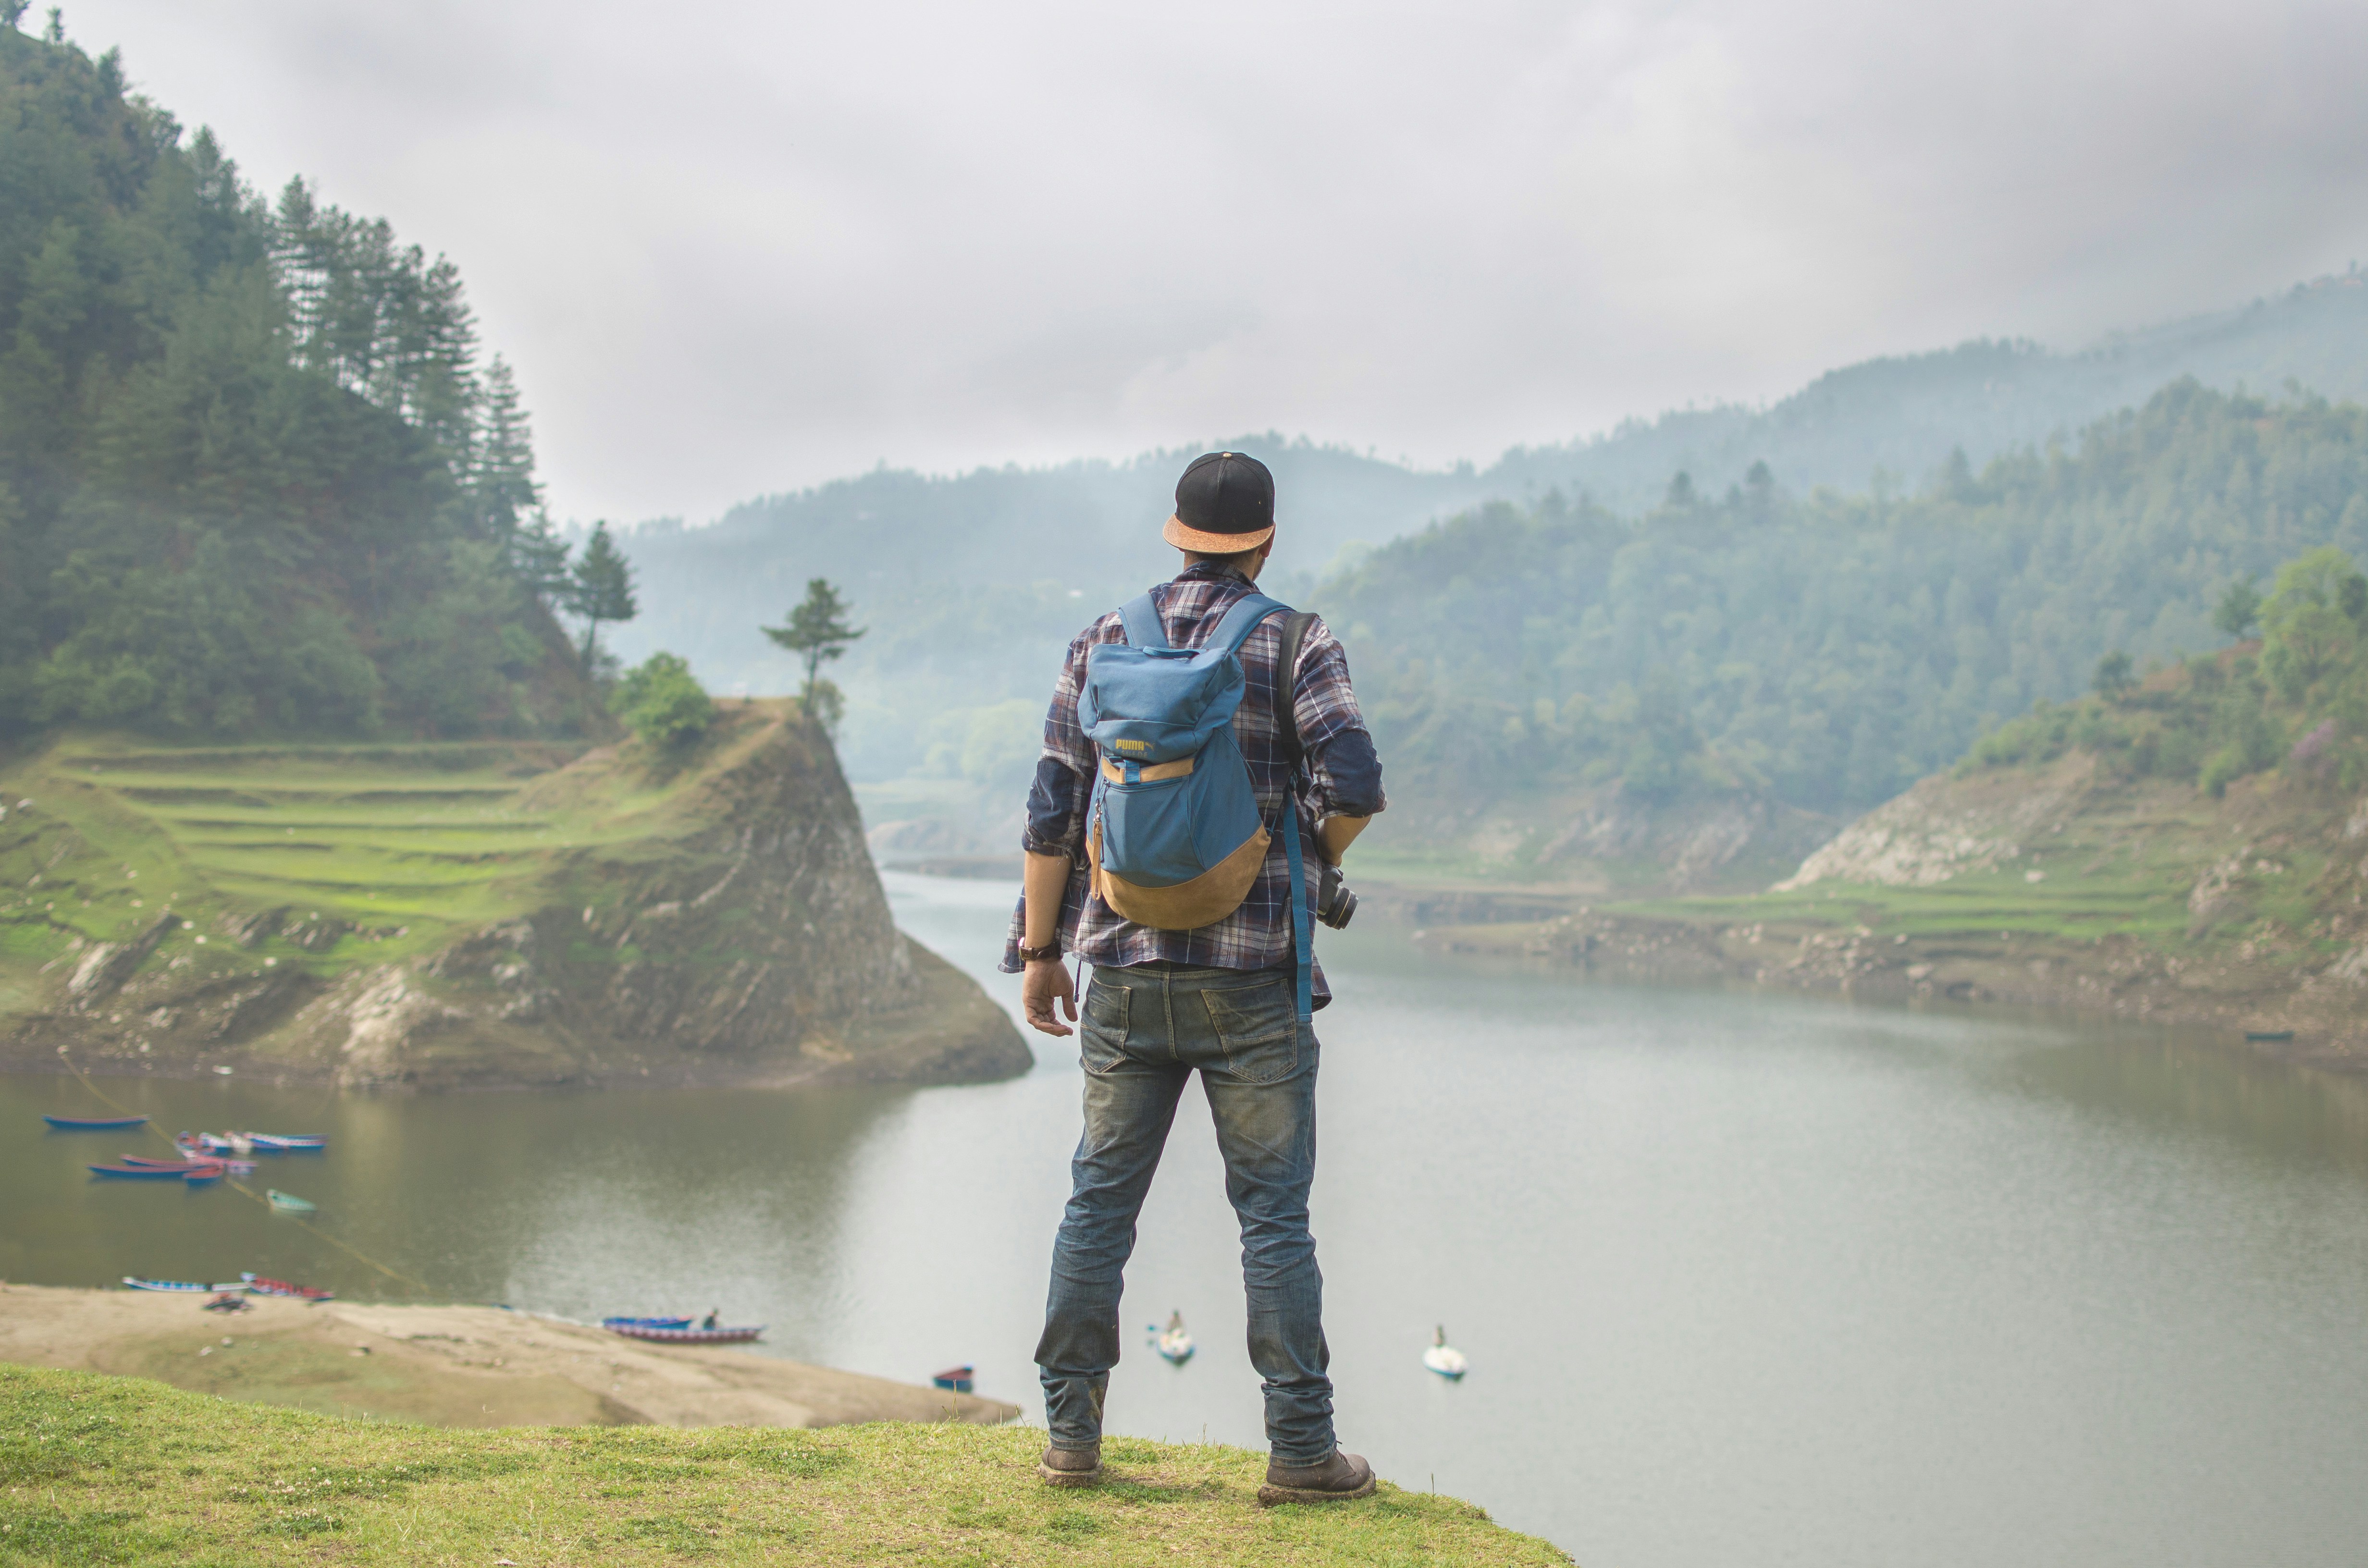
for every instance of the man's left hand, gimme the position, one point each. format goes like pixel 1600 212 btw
pixel 1045 982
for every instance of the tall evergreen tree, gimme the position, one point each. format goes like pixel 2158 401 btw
pixel 501 476
pixel 603 587
pixel 237 446
pixel 538 558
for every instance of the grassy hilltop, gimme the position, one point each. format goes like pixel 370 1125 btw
pixel 102 1469
pixel 450 912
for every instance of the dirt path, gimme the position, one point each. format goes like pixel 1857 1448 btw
pixel 447 1365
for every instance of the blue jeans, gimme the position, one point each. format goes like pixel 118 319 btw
pixel 1145 1030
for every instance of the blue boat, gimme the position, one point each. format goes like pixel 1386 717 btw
pixel 644 1322
pixel 137 1173
pixel 961 1380
pixel 180 1287
pixel 94 1124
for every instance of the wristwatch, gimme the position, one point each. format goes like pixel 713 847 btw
pixel 1051 949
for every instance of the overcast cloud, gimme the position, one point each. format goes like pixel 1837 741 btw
pixel 737 248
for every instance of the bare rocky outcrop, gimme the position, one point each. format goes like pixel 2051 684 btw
pixel 106 965
pixel 1944 828
pixel 1599 838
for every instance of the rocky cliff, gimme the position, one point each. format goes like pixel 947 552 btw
pixel 1603 840
pixel 486 915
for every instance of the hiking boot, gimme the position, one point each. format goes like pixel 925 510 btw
pixel 1334 1480
pixel 1071 1467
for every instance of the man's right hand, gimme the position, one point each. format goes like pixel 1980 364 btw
pixel 1046 981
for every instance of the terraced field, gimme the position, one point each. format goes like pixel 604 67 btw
pixel 334 850
pixel 386 839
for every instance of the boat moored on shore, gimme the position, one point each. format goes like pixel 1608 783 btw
pixel 686 1336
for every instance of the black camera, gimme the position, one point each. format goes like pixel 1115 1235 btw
pixel 1336 903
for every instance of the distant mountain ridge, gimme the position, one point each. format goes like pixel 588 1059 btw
pixel 1905 414
pixel 974 582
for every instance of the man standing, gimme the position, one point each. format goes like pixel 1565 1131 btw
pixel 1221 999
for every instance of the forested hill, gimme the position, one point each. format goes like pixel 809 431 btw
pixel 1828 650
pixel 252 475
pixel 968 579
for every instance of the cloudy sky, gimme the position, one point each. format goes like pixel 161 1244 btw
pixel 734 248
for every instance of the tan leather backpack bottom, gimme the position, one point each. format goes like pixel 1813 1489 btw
pixel 1205 900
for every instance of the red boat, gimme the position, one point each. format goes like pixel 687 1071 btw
pixel 263 1286
pixel 686 1336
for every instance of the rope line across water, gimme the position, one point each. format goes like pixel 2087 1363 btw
pixel 346 1248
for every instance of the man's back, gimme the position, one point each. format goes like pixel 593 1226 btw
pixel 1343 779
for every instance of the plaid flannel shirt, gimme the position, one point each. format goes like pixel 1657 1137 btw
pixel 1258 935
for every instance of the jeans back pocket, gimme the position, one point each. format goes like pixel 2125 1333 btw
pixel 1101 1032
pixel 1258 1029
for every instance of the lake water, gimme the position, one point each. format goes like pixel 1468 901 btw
pixel 1744 1278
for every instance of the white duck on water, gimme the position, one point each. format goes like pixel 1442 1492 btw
pixel 1444 1358
pixel 1173 1342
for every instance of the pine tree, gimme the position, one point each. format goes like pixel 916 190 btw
pixel 817 630
pixel 538 558
pixel 501 476
pixel 603 587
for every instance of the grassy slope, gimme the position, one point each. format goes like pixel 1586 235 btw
pixel 2096 910
pixel 102 1469
pixel 407 844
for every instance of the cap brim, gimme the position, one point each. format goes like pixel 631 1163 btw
pixel 1199 543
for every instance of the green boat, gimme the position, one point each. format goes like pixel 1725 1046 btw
pixel 289 1203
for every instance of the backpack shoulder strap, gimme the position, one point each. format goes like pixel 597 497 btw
pixel 1286 685
pixel 1141 616
pixel 1242 617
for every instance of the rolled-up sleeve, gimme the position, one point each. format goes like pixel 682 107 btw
pixel 1058 796
pixel 1344 771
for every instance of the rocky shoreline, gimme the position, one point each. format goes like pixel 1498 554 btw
pixel 2111 977
pixel 2069 886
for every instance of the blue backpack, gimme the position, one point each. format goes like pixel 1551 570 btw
pixel 1174 839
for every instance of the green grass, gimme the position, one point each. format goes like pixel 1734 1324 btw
pixel 97 1470
pixel 2153 908
pixel 407 843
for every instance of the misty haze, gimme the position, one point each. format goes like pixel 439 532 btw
pixel 717 729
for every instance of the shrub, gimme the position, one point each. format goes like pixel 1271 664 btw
pixel 2222 768
pixel 662 702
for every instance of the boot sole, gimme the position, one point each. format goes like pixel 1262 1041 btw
pixel 1270 1495
pixel 1069 1477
